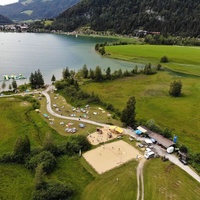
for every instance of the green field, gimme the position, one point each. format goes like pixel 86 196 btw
pixel 16 182
pixel 154 102
pixel 164 180
pixel 16 119
pixel 120 183
pixel 182 59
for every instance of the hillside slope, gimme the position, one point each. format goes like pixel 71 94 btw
pixel 180 17
pixel 36 9
pixel 4 20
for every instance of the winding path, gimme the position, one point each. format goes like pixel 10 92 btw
pixel 49 109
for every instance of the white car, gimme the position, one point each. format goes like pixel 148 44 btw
pixel 148 155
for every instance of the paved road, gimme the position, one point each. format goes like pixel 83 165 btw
pixel 171 157
pixel 49 109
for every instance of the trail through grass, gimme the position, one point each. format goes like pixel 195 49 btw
pixel 164 180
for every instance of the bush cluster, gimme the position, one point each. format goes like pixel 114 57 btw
pixel 43 161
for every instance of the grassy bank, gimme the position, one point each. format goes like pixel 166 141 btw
pixel 182 59
pixel 164 180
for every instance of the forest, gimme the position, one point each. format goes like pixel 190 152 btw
pixel 180 17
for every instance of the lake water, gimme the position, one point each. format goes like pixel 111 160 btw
pixel 23 53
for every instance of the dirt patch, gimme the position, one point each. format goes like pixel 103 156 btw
pixel 11 99
pixel 109 156
pixel 24 104
pixel 101 136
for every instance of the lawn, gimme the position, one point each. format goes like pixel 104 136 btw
pixel 154 102
pixel 164 180
pixel 119 183
pixel 182 59
pixel 16 182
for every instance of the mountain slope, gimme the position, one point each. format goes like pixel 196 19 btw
pixel 5 20
pixel 36 9
pixel 124 16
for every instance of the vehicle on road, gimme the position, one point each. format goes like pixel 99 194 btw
pixel 183 161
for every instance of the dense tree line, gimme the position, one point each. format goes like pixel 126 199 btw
pixel 170 40
pixel 99 75
pixel 125 16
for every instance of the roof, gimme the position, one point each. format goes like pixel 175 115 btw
pixel 148 141
pixel 144 129
pixel 119 130
pixel 138 132
pixel 161 140
pixel 112 127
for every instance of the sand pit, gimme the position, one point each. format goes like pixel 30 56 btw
pixel 97 138
pixel 109 156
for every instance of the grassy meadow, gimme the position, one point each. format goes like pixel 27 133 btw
pixel 181 59
pixel 119 183
pixel 164 180
pixel 153 102
pixel 16 119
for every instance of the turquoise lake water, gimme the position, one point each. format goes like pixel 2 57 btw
pixel 23 53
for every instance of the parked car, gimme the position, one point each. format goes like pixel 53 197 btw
pixel 183 161
pixel 131 139
pixel 150 154
pixel 140 145
pixel 147 150
pixel 170 150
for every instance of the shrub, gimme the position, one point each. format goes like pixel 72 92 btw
pixel 49 145
pixel 8 158
pixel 183 149
pixel 164 59
pixel 175 88
pixel 54 190
pixel 45 158
pixel 22 148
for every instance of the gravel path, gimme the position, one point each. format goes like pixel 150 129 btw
pixel 140 180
